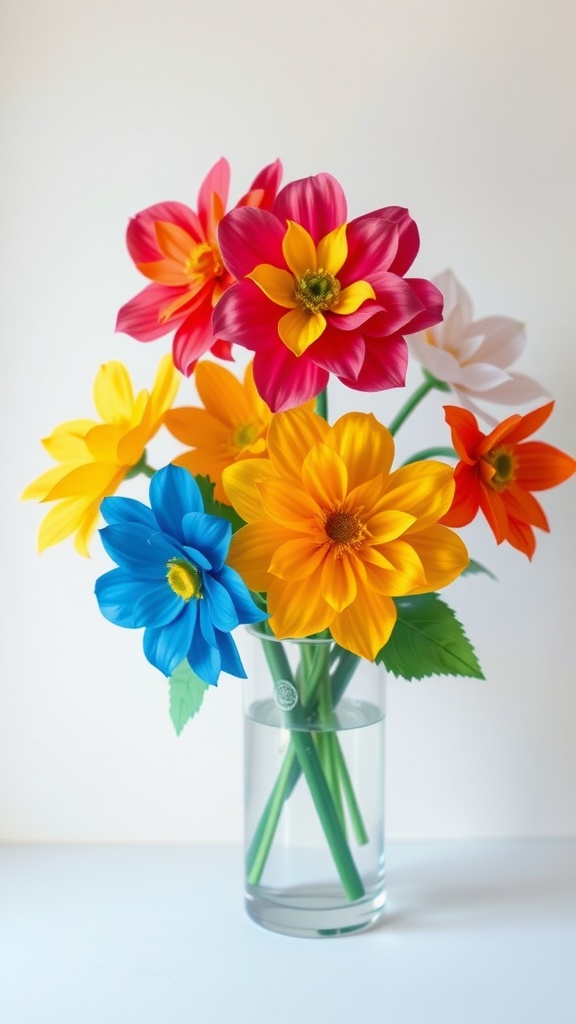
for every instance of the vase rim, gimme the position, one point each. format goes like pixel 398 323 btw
pixel 255 629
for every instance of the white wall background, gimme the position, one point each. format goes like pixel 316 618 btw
pixel 462 111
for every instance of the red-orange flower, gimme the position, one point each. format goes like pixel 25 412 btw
pixel 498 472
pixel 176 248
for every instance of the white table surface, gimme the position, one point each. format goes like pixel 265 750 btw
pixel 474 933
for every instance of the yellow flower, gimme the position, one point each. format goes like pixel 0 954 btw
pixel 233 424
pixel 94 457
pixel 332 536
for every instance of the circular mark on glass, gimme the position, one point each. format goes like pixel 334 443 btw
pixel 286 695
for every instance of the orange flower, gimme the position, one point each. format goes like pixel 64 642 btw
pixel 332 536
pixel 499 470
pixel 233 424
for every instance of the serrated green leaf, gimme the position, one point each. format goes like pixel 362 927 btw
pixel 473 568
pixel 186 695
pixel 428 640
pixel 217 508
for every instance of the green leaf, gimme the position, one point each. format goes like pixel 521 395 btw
pixel 428 640
pixel 217 508
pixel 186 695
pixel 473 568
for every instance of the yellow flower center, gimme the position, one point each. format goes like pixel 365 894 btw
pixel 345 528
pixel 184 578
pixel 204 261
pixel 504 463
pixel 317 290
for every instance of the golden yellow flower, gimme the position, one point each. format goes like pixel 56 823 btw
pixel 94 457
pixel 233 424
pixel 332 536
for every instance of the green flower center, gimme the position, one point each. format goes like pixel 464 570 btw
pixel 504 463
pixel 245 434
pixel 317 290
pixel 184 578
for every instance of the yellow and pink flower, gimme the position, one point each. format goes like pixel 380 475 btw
pixel 317 295
pixel 177 249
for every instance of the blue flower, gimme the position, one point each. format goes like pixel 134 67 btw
pixel 172 579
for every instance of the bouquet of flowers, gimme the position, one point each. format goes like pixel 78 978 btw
pixel 272 516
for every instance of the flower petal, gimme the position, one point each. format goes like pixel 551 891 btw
pixel 297 609
pixel 155 605
pixel 250 236
pixel 117 593
pixel 298 559
pixel 285 380
pixel 166 646
pixel 141 234
pixel 173 493
pixel 317 203
pixel 299 251
pixel 216 182
pixel 340 352
pixel 277 284
pixel 193 338
pixel 364 445
pixel 288 506
pixel 222 611
pixel 246 316
pixel 338 581
pixel 112 392
pixel 541 466
pixel 423 489
pixel 209 534
pixel 365 625
pixel 352 297
pixel 128 544
pixel 252 549
pixel 140 317
pixel 291 436
pixel 385 364
pixel 324 476
pixel 332 252
pixel 299 329
pixel 443 555
pixel 246 609
pixel 128 510
pixel 241 484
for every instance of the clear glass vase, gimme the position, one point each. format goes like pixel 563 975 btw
pixel 314 787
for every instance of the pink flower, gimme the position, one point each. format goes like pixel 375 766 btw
pixel 473 356
pixel 177 249
pixel 317 295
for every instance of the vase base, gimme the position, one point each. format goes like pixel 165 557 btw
pixel 313 912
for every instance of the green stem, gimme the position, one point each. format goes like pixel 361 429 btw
pixel 349 794
pixel 263 837
pixel 428 384
pixel 308 758
pixel 343 665
pixel 325 745
pixel 430 453
pixel 305 750
pixel 140 467
pixel 322 404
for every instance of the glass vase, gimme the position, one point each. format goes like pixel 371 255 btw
pixel 314 721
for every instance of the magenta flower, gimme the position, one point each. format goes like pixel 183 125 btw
pixel 316 295
pixel 177 249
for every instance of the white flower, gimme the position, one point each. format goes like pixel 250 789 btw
pixel 473 356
